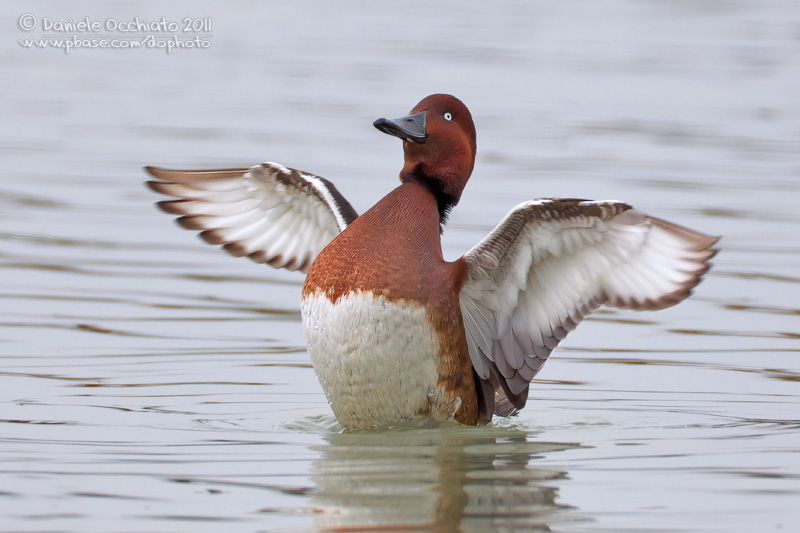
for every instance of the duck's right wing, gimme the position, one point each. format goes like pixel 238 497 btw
pixel 270 213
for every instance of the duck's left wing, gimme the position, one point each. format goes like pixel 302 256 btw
pixel 270 213
pixel 550 263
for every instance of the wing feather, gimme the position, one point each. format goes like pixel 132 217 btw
pixel 270 213
pixel 550 263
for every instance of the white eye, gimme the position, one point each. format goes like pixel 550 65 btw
pixel 448 116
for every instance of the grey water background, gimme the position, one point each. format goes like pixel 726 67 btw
pixel 149 382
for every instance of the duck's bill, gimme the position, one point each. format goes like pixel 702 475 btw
pixel 410 128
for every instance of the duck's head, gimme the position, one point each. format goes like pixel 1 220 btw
pixel 439 144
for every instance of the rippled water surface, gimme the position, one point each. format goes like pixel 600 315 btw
pixel 149 382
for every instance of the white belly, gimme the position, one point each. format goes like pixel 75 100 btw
pixel 376 360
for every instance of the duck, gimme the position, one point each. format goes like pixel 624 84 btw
pixel 398 335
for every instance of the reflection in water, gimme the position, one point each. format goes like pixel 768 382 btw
pixel 475 479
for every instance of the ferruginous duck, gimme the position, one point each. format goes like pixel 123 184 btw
pixel 396 334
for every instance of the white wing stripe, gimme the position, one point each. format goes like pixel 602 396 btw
pixel 322 190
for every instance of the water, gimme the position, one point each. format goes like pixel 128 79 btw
pixel 151 383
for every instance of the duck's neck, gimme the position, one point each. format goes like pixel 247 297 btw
pixel 410 209
pixel 444 200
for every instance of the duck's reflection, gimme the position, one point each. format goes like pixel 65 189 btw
pixel 444 479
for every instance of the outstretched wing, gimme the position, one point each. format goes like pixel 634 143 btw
pixel 550 263
pixel 270 213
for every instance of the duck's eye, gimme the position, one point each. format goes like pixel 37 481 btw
pixel 448 117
